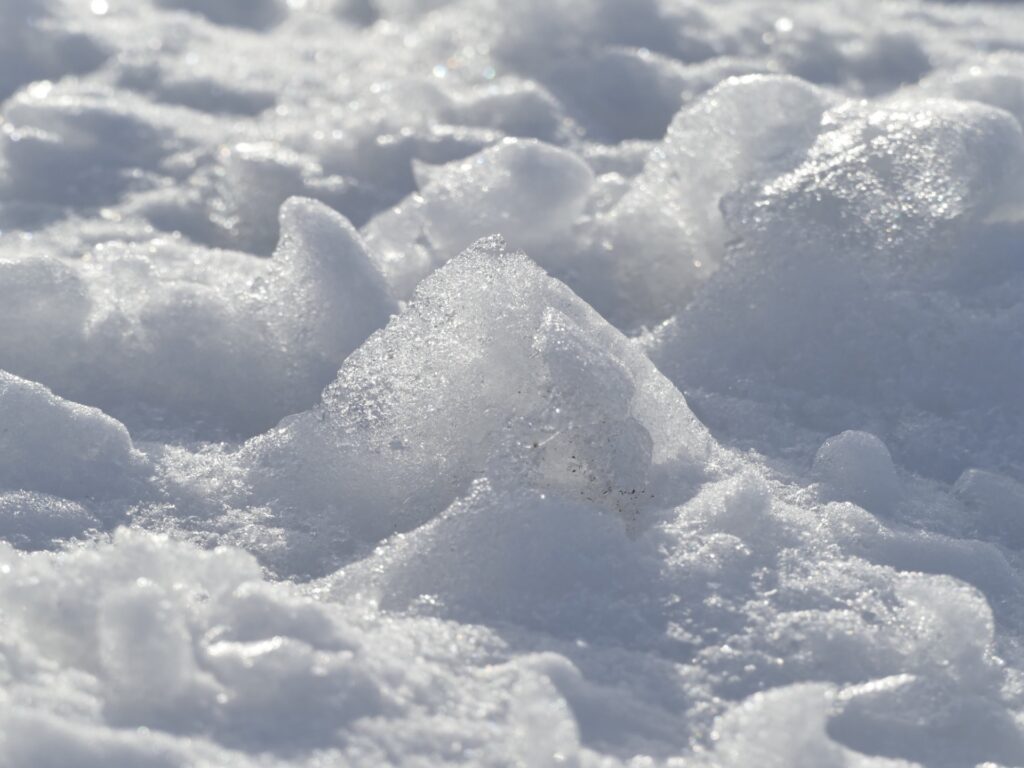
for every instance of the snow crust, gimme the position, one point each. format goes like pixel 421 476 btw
pixel 489 383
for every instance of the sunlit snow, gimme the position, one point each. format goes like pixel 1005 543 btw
pixel 596 383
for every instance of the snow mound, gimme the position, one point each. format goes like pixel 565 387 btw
pixel 667 234
pixel 34 45
pixel 165 335
pixel 86 148
pixel 527 191
pixel 995 503
pixel 51 445
pixel 858 467
pixel 166 655
pixel 530 560
pixel 144 646
pixel 879 271
pixel 494 370
pixel 168 638
pixel 996 80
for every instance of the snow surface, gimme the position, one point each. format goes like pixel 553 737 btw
pixel 511 383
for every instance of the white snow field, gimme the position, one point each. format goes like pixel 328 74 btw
pixel 592 383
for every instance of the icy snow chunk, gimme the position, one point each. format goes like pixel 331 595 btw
pixel 51 445
pixel 745 129
pixel 857 467
pixel 494 370
pixel 330 294
pixel 528 191
pixel 667 234
pixel 880 271
pixel 901 174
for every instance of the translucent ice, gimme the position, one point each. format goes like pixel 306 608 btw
pixel 495 370
pixel 744 131
pixel 879 270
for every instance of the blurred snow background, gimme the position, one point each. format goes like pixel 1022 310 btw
pixel 511 383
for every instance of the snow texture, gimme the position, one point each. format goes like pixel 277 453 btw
pixel 598 383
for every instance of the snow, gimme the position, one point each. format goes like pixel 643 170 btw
pixel 525 187
pixel 87 452
pixel 856 466
pixel 187 354
pixel 487 383
pixel 493 370
pixel 879 271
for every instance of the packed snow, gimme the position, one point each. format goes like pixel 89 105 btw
pixel 596 383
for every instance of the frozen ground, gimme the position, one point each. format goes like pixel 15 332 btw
pixel 511 383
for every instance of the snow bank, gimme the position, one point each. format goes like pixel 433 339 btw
pixel 144 649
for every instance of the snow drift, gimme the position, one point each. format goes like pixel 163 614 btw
pixel 465 382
